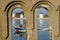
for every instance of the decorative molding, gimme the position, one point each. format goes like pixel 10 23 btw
pixel 58 8
pixel 11 3
pixel 41 2
pixel 7 8
pixel 38 4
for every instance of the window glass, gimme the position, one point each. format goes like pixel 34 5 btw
pixel 42 24
pixel 18 24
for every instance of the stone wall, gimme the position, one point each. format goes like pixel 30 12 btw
pixel 29 7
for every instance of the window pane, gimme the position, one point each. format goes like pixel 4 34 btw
pixel 42 24
pixel 42 13
pixel 18 24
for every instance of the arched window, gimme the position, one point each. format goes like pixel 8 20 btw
pixel 18 24
pixel 42 23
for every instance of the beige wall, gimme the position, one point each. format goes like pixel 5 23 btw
pixel 27 6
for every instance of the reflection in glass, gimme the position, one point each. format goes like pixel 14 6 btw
pixel 42 13
pixel 18 24
pixel 42 24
